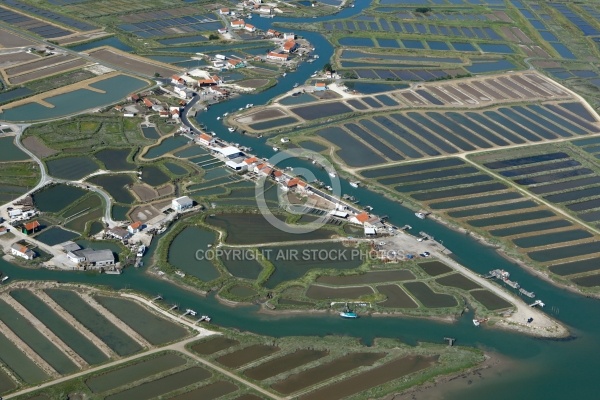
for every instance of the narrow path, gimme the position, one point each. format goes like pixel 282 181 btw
pixel 75 324
pixel 44 330
pixel 295 242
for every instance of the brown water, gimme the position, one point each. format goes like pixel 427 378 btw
pixel 396 297
pixel 458 281
pixel 489 300
pixel 435 268
pixel 210 391
pixel 246 355
pixel 368 277
pixel 323 372
pixel 374 377
pixel 214 345
pixel 324 293
pixel 284 363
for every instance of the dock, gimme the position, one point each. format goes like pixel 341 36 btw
pixel 524 292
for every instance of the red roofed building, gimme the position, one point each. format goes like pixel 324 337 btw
pixel 205 139
pixel 290 46
pixel 177 80
pixel 361 218
pixel 238 24
pixel 320 86
pixel 250 161
pixel 278 175
pixel 19 250
pixel 134 227
pixel 30 227
pixel 277 56
pixel 147 102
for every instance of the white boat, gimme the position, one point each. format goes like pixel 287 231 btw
pixel 275 148
pixel 231 129
pixel 283 75
pixel 213 134
pixel 296 84
pixel 250 105
pixel 226 114
pixel 162 230
pixel 141 250
pixel 313 75
pixel 191 312
pixel 240 109
pixel 218 118
pixel 4 279
pixel 332 174
pixel 420 215
pixel 476 322
pixel 354 184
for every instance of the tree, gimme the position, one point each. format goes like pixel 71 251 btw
pixel 327 67
pixel 423 10
pixel 156 74
pixel 213 36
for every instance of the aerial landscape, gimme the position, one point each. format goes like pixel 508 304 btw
pixel 324 199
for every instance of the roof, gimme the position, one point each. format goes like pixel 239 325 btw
pixel 205 136
pixel 362 217
pixel 277 173
pixel 32 225
pixel 175 77
pixel 136 225
pixel 320 84
pixel 70 246
pixel 118 231
pixel 260 166
pixel 302 183
pixel 20 248
pixel 249 26
pixel 147 102
pixel 272 54
pixel 183 201
pixel 251 160
pixel 289 44
pixel 293 182
pixel 238 22
pixel 228 151
pixel 233 62
pixel 94 256
pixel 266 170
pixel 224 9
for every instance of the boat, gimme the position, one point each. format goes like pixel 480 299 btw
pixel 231 129
pixel 313 75
pixel 218 118
pixel 226 114
pixel 527 293
pixel 141 251
pixel 296 85
pixel 275 148
pixel 348 313
pixel 354 184
pixel 332 174
pixel 476 322
pixel 283 75
pixel 191 312
pixel 241 108
pixel 213 133
pixel 4 279
pixel 420 215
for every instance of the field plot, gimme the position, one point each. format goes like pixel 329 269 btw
pixel 172 22
pixel 40 68
pixel 127 61
pixel 246 355
pixel 33 25
pixel 9 39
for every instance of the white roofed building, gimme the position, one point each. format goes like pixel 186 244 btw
pixel 182 203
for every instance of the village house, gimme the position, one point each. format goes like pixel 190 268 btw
pixel 30 227
pixel 182 203
pixel 273 33
pixel 264 9
pixel 319 86
pixel 289 36
pixel 278 175
pixel 277 57
pixel 250 28
pixel 265 170
pixel 117 233
pixel 361 218
pixel 205 139
pixel 164 114
pixel 19 250
pixel 290 46
pixel 250 162
pixel 238 24
pixel 92 258
pixel 188 80
pixel 222 31
pixel 234 64
pixel 177 80
pixel 3 230
pixel 217 79
pixel 158 107
pixel 224 11
pixel 296 183
pixel 183 91
pixel 133 98
pixel 135 227
pixel 174 112
pixel 206 82
pixel 148 103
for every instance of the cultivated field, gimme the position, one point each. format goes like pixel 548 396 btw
pixel 140 65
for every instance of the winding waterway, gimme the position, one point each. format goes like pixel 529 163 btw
pixel 544 369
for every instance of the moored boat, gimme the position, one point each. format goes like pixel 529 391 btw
pixel 420 215
pixel 141 250
pixel 354 184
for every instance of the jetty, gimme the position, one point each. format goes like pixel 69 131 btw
pixel 537 303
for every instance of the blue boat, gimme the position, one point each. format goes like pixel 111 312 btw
pixel 348 313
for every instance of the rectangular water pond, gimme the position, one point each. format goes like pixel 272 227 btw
pixel 214 345
pixel 141 369
pixel 246 355
pixel 182 253
pixel 475 201
pixel 412 167
pixel 374 377
pixel 210 391
pixel 428 297
pixel 279 365
pixel 471 212
pixel 55 235
pixel 576 267
pixel 396 297
pixel 551 238
pixel 151 327
pixel 511 218
pixel 116 339
pixel 368 277
pixel 327 293
pixel 466 191
pixel 537 227
pixel 19 363
pixel 490 300
pixel 163 385
pixel 458 281
pixel 68 334
pixel 322 110
pixel 25 330
pixel 558 253
pixel 323 372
